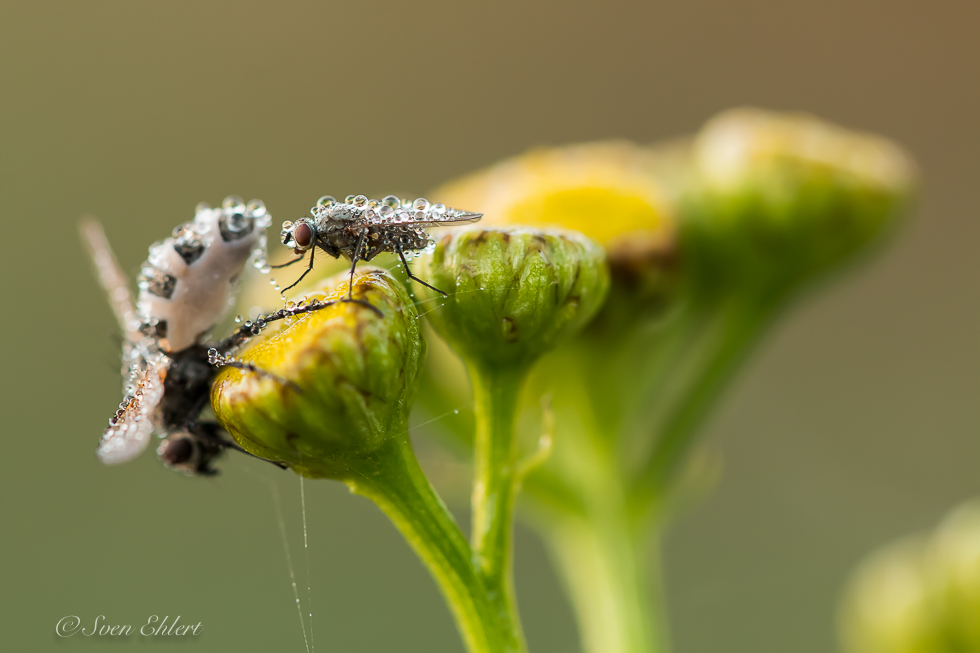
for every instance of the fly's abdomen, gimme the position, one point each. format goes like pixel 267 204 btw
pixel 187 283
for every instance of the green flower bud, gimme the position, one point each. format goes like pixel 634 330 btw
pixel 514 292
pixel 350 375
pixel 921 595
pixel 777 198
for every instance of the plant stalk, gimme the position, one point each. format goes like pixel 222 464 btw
pixel 393 479
pixel 496 391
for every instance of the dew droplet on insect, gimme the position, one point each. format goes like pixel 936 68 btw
pixel 391 201
pixel 238 319
pixel 349 199
pixel 421 204
pixel 233 203
pixel 256 208
pixel 360 201
pixel 325 201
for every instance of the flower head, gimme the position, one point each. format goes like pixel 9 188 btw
pixel 349 377
pixel 517 292
pixel 777 198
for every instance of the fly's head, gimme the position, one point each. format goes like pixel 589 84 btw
pixel 189 453
pixel 300 235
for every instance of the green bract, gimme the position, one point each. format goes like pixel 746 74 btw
pixel 514 293
pixel 351 373
pixel 777 198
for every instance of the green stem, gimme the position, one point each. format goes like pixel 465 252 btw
pixel 606 563
pixel 495 472
pixel 723 336
pixel 393 479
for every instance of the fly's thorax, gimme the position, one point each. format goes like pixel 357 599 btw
pixel 189 279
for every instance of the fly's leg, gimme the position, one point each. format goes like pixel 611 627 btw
pixel 250 328
pixel 288 263
pixel 353 265
pixel 221 360
pixel 411 276
pixel 308 269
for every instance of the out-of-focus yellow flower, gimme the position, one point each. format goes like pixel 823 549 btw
pixel 921 595
pixel 613 192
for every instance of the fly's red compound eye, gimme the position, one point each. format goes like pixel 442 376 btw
pixel 303 235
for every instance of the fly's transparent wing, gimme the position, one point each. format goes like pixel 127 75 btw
pixel 450 218
pixel 131 427
pixel 111 277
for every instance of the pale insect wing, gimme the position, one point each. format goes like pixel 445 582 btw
pixel 450 219
pixel 130 431
pixel 111 277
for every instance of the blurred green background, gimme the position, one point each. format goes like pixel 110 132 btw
pixel 856 422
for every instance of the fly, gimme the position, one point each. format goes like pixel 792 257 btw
pixel 360 228
pixel 185 286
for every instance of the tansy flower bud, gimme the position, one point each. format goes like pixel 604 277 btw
pixel 350 376
pixel 777 198
pixel 514 292
pixel 921 595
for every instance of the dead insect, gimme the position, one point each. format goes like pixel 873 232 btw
pixel 185 286
pixel 360 228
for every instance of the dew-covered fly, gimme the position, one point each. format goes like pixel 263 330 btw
pixel 185 286
pixel 360 228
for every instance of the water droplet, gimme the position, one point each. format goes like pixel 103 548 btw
pixel 349 199
pixel 202 206
pixel 256 208
pixel 439 208
pixel 238 319
pixel 326 200
pixel 392 201
pixel 421 204
pixel 386 211
pixel 360 201
pixel 233 203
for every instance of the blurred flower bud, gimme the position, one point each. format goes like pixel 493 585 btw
pixel 514 292
pixel 777 198
pixel 921 595
pixel 350 375
pixel 613 192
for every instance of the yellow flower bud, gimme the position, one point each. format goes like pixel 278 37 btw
pixel 349 373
